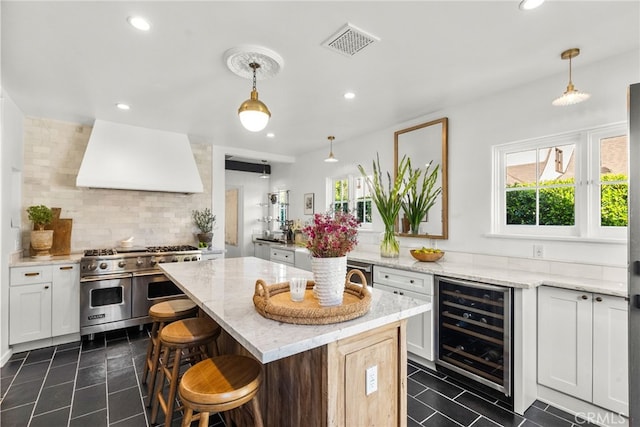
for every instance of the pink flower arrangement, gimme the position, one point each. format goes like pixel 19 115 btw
pixel 332 234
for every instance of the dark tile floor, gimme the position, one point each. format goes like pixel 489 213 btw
pixel 97 383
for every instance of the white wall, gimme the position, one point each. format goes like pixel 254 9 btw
pixel 522 113
pixel 252 192
pixel 11 119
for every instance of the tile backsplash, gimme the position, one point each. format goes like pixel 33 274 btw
pixel 53 151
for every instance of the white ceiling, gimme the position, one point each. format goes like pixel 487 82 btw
pixel 74 60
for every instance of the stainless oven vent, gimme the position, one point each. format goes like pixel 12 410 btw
pixel 349 40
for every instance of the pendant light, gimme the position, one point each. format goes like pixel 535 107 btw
pixel 331 158
pixel 254 115
pixel 571 95
pixel 264 175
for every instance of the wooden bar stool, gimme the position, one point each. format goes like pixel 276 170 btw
pixel 220 384
pixel 163 313
pixel 191 336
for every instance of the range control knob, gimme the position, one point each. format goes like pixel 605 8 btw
pixel 103 265
pixel 92 266
pixel 139 262
pixel 175 259
pixel 122 263
pixel 186 259
pixel 194 258
pixel 161 260
pixel 153 261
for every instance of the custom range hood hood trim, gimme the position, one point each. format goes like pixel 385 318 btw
pixel 126 157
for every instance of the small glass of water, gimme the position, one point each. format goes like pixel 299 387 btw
pixel 297 287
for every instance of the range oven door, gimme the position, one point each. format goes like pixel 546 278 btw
pixel 104 299
pixel 151 288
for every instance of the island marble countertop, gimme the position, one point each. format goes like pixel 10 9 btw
pixel 224 289
pixel 504 271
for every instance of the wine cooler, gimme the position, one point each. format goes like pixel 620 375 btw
pixel 473 333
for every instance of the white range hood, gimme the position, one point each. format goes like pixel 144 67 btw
pixel 126 157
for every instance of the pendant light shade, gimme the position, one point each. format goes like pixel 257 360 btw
pixel 571 95
pixel 331 158
pixel 254 114
pixel 264 175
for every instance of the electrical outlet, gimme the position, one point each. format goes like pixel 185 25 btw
pixel 372 380
pixel 538 251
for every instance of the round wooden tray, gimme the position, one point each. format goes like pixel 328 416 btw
pixel 274 302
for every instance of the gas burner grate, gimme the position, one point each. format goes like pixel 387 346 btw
pixel 173 248
pixel 100 252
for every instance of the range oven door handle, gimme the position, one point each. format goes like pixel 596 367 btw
pixel 361 268
pixel 104 277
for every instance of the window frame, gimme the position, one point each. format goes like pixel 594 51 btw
pixel 587 197
pixel 351 196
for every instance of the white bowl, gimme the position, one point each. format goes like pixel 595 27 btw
pixel 126 244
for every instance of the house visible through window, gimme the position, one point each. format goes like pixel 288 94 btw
pixel 568 185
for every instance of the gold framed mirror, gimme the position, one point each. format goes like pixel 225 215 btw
pixel 424 143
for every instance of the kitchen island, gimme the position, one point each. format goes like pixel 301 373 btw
pixel 314 375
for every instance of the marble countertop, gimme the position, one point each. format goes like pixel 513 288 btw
pixel 504 272
pixel 19 261
pixel 224 289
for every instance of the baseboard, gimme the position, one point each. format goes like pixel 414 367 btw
pixel 6 356
pixel 46 342
pixel 584 410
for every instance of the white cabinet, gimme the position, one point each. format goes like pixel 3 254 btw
pixel 283 256
pixel 65 300
pixel 415 285
pixel 582 346
pixel 43 302
pixel 261 250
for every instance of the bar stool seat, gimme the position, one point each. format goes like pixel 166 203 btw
pixel 163 313
pixel 220 384
pixel 191 336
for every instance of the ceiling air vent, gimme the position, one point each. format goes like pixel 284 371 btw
pixel 349 40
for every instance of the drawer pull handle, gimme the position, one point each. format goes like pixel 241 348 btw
pixel 584 297
pixel 66 268
pixel 31 274
pixel 599 299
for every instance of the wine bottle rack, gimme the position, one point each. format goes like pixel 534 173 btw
pixel 474 331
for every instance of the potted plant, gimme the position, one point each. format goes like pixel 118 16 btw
pixel 204 220
pixel 41 239
pixel 389 202
pixel 418 201
pixel 329 238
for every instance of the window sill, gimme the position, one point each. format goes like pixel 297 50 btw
pixel 574 239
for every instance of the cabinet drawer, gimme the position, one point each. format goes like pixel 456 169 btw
pixel 284 256
pixel 408 280
pixel 30 275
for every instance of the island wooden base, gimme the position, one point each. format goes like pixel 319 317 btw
pixel 326 386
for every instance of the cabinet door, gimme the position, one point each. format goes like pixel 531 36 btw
pixel 565 341
pixel 419 327
pixel 610 355
pixel 261 250
pixel 65 307
pixel 29 312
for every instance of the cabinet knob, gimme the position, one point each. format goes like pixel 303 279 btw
pixel 599 299
pixel 386 276
pixel 401 293
pixel 411 281
pixel 584 297
pixel 46 286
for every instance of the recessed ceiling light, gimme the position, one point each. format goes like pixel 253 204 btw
pixel 122 106
pixel 271 135
pixel 139 23
pixel 530 4
pixel 349 95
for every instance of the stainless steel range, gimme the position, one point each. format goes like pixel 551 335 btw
pixel 117 287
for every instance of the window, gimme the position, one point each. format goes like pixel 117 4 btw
pixel 568 185
pixel 352 194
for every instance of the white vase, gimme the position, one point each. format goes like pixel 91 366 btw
pixel 329 275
